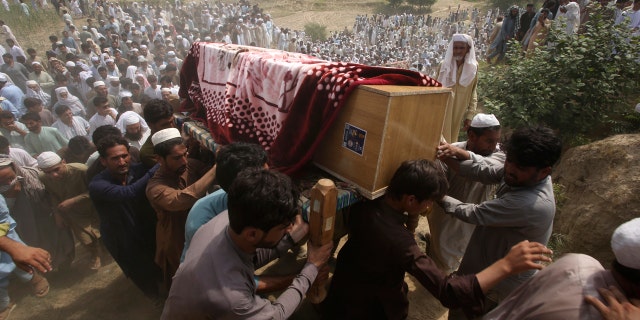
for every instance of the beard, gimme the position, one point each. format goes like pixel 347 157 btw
pixel 458 58
pixel 133 136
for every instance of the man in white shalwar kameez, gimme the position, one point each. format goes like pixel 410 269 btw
pixel 569 13
pixel 459 71
pixel 449 235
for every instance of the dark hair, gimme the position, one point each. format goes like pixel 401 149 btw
pixel 262 199
pixel 4 114
pixel 98 100
pixel 164 148
pixel 4 142
pixel 631 274
pixel 60 78
pixel 156 110
pixel 533 147
pixel 235 157
pixel 102 69
pixel 110 141
pixel 480 131
pixel 34 116
pixel 165 79
pixel 59 110
pixel 420 178
pixel 7 55
pixel 152 78
pixel 79 144
pixel 103 131
pixel 31 50
pixel 31 102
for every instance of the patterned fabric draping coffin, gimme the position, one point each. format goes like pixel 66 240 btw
pixel 281 100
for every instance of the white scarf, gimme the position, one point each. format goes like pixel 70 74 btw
pixel 449 68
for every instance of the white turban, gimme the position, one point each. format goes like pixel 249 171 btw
pixel 449 68
pixel 128 118
pixel 48 159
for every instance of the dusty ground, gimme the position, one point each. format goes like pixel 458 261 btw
pixel 106 294
pixel 336 15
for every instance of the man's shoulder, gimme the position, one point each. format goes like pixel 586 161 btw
pixel 78 167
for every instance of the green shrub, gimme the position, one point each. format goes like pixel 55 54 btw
pixel 580 86
pixel 316 31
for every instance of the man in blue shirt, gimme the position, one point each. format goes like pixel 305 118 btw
pixel 127 221
pixel 13 94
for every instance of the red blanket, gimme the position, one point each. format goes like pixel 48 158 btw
pixel 283 101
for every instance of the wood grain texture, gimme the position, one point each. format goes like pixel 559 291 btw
pixel 401 123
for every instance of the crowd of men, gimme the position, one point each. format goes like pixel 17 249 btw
pixel 91 153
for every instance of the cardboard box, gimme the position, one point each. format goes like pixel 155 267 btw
pixel 379 128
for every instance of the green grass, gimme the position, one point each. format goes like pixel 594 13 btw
pixel 33 31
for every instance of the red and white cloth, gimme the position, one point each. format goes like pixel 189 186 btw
pixel 281 100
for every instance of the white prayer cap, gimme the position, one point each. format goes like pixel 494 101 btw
pixel 625 244
pixel 483 120
pixel 128 42
pixel 165 90
pixel 162 67
pixel 85 28
pixel 134 50
pixel 132 119
pixel 171 53
pixel 164 135
pixel 178 37
pixel 36 62
pixel 142 59
pixel 95 58
pixel 48 159
pixel 113 78
pixel 108 60
pixel 207 38
pixel 70 64
pixel 98 83
pixel 144 46
pixel 638 107
pixel 31 82
pixel 3 78
pixel 125 94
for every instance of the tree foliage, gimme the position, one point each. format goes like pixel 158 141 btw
pixel 422 3
pixel 578 85
pixel 316 31
pixel 395 3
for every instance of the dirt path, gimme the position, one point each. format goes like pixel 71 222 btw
pixel 336 15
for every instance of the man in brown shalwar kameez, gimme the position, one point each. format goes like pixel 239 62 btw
pixel 172 191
